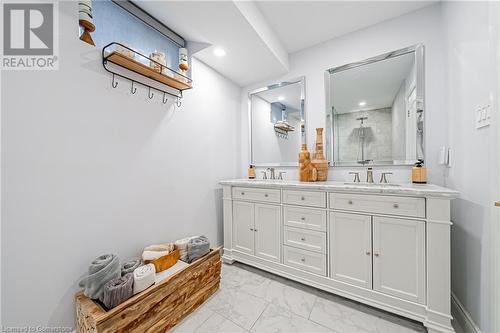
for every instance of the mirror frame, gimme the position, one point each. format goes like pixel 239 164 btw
pixel 419 50
pixel 301 80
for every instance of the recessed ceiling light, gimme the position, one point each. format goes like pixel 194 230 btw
pixel 363 103
pixel 281 98
pixel 219 52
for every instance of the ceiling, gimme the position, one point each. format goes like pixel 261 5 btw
pixel 376 84
pixel 301 24
pixel 258 36
pixel 289 95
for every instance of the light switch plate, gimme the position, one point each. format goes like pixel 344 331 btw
pixel 483 116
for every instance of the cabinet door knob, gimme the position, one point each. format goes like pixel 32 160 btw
pixel 303 239
pixel 349 202
pixel 251 229
pixel 266 195
pixel 303 218
pixel 302 198
pixel 395 205
pixel 256 230
pixel 368 253
pixel 303 259
pixel 242 193
pixel 376 254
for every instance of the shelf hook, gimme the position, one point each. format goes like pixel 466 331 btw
pixel 132 89
pixel 114 83
pixel 178 102
pixel 165 99
pixel 150 94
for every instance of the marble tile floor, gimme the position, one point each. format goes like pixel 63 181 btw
pixel 251 300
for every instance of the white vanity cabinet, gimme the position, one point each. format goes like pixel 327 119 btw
pixel 399 258
pixel 256 226
pixel 351 248
pixel 385 246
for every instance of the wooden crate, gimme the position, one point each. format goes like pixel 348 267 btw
pixel 159 307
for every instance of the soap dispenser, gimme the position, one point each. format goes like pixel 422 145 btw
pixel 419 173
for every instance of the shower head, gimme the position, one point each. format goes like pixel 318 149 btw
pixel 362 119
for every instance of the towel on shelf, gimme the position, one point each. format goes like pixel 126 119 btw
pixel 130 266
pixel 101 270
pixel 144 277
pixel 182 245
pixel 197 248
pixel 118 290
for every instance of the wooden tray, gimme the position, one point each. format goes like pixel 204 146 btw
pixel 165 262
pixel 158 308
pixel 138 67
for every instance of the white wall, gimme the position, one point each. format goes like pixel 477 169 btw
pixel 423 26
pixel 87 169
pixel 471 83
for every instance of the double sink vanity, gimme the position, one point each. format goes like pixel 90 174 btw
pixel 383 245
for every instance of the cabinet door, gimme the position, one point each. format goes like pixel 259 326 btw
pixel 267 232
pixel 399 258
pixel 350 249
pixel 243 226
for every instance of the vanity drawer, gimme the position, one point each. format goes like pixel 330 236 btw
pixel 305 198
pixel 256 194
pixel 403 206
pixel 306 260
pixel 305 239
pixel 305 218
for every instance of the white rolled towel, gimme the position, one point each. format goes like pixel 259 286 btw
pixel 153 255
pixel 182 245
pixel 144 277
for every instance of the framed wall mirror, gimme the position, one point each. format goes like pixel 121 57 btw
pixel 375 110
pixel 277 123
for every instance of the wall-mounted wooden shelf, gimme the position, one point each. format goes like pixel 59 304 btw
pixel 177 81
pixel 159 72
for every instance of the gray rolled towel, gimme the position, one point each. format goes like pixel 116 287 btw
pixel 197 247
pixel 130 266
pixel 118 290
pixel 101 270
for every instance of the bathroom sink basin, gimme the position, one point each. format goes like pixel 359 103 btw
pixel 372 184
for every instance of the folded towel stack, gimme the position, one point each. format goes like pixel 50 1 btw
pixel 154 252
pixel 130 266
pixel 197 248
pixel 118 290
pixel 182 245
pixel 144 277
pixel 102 269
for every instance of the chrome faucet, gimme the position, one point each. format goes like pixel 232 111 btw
pixel 272 176
pixel 369 175
pixel 356 176
pixel 383 179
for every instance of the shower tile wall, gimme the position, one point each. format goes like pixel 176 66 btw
pixel 378 141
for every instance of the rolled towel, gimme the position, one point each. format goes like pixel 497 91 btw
pixel 154 252
pixel 144 277
pixel 102 269
pixel 130 266
pixel 118 290
pixel 153 255
pixel 198 247
pixel 182 245
pixel 160 247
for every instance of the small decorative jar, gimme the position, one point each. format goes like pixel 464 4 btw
pixel 158 58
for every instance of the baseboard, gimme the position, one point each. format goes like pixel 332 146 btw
pixel 462 316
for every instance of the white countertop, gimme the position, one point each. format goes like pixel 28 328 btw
pixel 420 190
